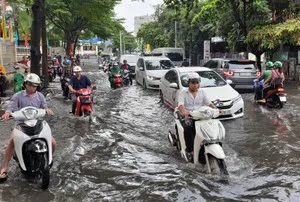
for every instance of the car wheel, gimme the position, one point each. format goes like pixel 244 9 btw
pixel 144 84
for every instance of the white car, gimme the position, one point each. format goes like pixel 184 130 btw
pixel 231 103
pixel 150 70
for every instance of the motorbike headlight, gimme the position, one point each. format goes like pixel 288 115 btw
pixel 150 78
pixel 30 113
pixel 237 99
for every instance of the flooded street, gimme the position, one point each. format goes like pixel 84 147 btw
pixel 125 154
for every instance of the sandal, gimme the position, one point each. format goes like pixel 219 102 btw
pixel 3 176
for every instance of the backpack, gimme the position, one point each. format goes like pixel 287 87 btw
pixel 276 82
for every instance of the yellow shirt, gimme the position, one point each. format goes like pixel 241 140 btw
pixel 2 69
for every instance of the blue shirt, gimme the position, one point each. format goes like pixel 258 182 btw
pixel 78 84
pixel 21 99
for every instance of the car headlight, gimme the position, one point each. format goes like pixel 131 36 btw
pixel 237 99
pixel 150 78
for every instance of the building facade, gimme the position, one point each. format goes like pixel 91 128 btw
pixel 139 20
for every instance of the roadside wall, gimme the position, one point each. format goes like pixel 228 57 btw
pixel 8 56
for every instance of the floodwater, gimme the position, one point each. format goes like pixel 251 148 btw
pixel 124 155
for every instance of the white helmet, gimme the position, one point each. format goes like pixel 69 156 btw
pixel 33 78
pixel 77 69
pixel 194 77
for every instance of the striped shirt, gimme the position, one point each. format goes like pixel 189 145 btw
pixel 21 99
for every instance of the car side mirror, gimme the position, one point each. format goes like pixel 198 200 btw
pixel 174 85
pixel 229 82
pixel 141 68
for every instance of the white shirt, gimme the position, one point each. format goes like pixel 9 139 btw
pixel 190 102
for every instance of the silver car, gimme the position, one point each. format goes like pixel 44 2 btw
pixel 240 72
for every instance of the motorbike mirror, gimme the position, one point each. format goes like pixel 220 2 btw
pixel 94 88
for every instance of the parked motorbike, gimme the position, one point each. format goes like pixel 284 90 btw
pixel 126 77
pixel 84 102
pixel 33 144
pixel 209 136
pixel 117 81
pixel 275 98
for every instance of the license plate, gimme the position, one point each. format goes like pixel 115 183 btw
pixel 282 99
pixel 225 112
pixel 245 74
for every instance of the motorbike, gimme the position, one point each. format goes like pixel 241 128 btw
pixel 210 133
pixel 275 98
pixel 126 77
pixel 51 73
pixel 33 144
pixel 84 102
pixel 117 81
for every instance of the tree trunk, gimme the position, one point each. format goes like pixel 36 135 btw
pixel 44 46
pixel 258 60
pixel 35 38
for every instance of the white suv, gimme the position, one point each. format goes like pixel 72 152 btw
pixel 150 70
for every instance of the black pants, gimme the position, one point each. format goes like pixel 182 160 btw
pixel 266 89
pixel 189 134
pixel 3 85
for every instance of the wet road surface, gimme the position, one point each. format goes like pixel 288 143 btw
pixel 124 155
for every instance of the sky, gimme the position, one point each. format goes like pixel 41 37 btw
pixel 128 9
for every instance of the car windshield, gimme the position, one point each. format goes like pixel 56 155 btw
pixel 130 58
pixel 235 65
pixel 175 56
pixel 158 64
pixel 208 79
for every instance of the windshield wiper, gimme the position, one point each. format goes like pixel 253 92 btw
pixel 209 86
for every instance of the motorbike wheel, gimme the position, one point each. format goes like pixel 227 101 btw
pixel 217 166
pixel 178 143
pixel 42 176
pixel 50 78
pixel 161 96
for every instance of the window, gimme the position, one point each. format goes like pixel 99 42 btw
pixel 211 64
pixel 208 79
pixel 158 64
pixel 171 77
pixel 140 63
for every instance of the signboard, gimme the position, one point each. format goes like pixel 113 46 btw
pixel 206 51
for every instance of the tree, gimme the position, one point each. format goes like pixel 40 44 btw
pixel 75 16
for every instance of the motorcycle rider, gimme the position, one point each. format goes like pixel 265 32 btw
pixel 77 82
pixel 65 78
pixel 259 82
pixel 3 81
pixel 275 73
pixel 126 66
pixel 115 69
pixel 191 99
pixel 28 97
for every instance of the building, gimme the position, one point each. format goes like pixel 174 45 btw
pixel 139 20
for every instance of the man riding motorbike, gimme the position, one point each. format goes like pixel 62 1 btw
pixel 65 78
pixel 191 99
pixel 259 82
pixel 77 82
pixel 126 66
pixel 276 74
pixel 115 69
pixel 28 97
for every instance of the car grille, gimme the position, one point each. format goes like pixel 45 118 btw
pixel 31 131
pixel 224 104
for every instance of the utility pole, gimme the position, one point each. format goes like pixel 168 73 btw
pixel 44 46
pixel 121 50
pixel 175 28
pixel 124 44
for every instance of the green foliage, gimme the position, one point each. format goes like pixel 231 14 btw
pixel 271 36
